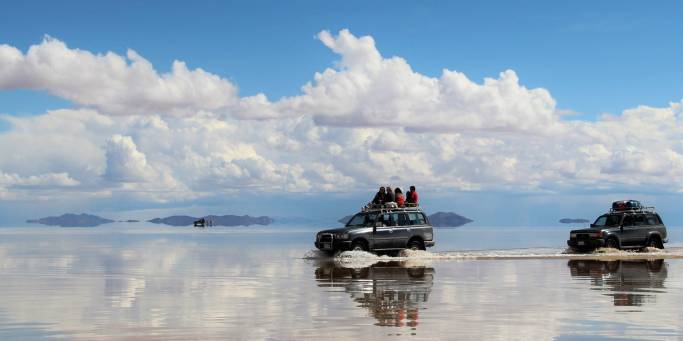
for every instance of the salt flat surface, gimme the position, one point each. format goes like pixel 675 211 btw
pixel 179 284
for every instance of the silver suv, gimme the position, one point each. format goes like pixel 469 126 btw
pixel 379 228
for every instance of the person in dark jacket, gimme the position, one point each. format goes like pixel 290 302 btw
pixel 412 197
pixel 379 198
pixel 389 197
pixel 400 199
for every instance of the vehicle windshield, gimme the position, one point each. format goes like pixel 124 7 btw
pixel 362 219
pixel 607 220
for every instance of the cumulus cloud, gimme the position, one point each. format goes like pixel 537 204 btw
pixel 112 83
pixel 369 120
pixel 367 90
pixel 42 180
pixel 125 163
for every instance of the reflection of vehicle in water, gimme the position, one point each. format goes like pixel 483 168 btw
pixel 393 292
pixel 626 225
pixel 631 282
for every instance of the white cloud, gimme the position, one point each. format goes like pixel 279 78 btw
pixel 112 83
pixel 125 163
pixel 367 90
pixel 371 120
pixel 42 180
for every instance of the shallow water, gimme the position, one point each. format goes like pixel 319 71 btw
pixel 145 282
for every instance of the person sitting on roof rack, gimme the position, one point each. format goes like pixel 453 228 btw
pixel 389 197
pixel 412 197
pixel 400 199
pixel 380 197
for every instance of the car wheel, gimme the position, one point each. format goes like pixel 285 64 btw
pixel 655 242
pixel 416 244
pixel 612 243
pixel 359 245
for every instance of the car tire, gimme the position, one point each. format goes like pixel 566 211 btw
pixel 655 242
pixel 359 245
pixel 416 244
pixel 612 243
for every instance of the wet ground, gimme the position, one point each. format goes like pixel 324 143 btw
pixel 163 283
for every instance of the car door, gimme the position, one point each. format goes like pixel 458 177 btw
pixel 628 233
pixel 642 230
pixel 383 236
pixel 403 231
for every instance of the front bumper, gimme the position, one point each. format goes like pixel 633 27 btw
pixel 586 243
pixel 334 245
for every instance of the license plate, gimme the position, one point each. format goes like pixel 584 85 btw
pixel 582 243
pixel 327 245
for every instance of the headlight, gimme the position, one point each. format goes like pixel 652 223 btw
pixel 341 235
pixel 572 235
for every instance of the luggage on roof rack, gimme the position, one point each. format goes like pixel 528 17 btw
pixel 626 205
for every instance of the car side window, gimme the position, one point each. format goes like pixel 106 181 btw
pixel 416 218
pixel 403 219
pixel 628 220
pixel 640 220
pixel 413 218
pixel 389 219
pixel 370 219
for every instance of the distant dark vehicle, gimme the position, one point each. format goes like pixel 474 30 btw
pixel 628 225
pixel 379 228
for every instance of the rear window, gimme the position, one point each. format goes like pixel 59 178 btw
pixel 653 219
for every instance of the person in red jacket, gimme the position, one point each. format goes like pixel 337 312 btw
pixel 400 199
pixel 412 197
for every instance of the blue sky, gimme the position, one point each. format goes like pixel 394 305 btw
pixel 584 57
pixel 595 57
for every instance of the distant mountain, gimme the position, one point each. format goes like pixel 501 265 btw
pixel 448 219
pixel 72 220
pixel 438 219
pixel 224 220
pixel 574 221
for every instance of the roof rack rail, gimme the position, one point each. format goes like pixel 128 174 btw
pixel 643 209
pixel 390 206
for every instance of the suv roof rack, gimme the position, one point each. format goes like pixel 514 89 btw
pixel 650 209
pixel 390 207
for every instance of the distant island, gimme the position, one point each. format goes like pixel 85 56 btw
pixel 72 220
pixel 448 219
pixel 89 220
pixel 574 221
pixel 224 220
pixel 438 219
